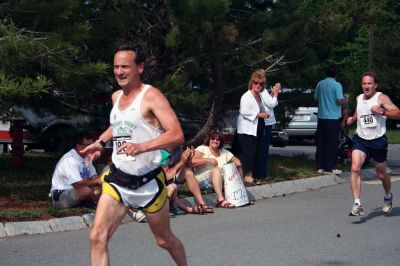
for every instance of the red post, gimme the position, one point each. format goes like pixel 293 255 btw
pixel 17 145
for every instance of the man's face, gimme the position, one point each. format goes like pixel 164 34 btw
pixel 369 86
pixel 125 69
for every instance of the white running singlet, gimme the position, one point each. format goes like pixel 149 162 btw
pixel 369 125
pixel 129 126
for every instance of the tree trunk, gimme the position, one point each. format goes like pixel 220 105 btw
pixel 216 106
pixel 371 32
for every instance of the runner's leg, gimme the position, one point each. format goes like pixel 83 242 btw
pixel 357 160
pixel 383 176
pixel 109 214
pixel 160 226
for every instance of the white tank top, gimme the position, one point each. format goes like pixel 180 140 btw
pixel 369 125
pixel 129 126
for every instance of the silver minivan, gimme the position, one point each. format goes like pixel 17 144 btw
pixel 303 123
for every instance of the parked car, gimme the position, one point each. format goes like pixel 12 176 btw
pixel 49 131
pixel 303 123
pixel 279 137
pixel 6 138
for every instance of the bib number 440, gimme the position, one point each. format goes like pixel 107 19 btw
pixel 368 121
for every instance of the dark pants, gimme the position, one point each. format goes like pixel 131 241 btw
pixel 252 149
pixel 262 167
pixel 327 143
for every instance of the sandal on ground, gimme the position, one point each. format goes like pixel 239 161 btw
pixel 253 182
pixel 249 181
pixel 206 209
pixel 225 204
pixel 195 209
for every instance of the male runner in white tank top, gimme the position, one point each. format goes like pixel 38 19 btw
pixel 373 108
pixel 141 124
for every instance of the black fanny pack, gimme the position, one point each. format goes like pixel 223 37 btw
pixel 123 179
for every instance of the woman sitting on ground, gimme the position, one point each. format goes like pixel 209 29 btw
pixel 178 170
pixel 208 161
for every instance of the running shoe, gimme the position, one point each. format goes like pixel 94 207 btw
pixel 387 205
pixel 336 172
pixel 356 210
pixel 138 216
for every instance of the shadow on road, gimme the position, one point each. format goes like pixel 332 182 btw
pixel 376 213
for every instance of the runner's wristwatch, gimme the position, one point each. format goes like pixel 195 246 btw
pixel 102 143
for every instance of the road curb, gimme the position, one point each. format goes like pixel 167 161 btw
pixel 67 224
pixel 254 193
pixel 27 228
pixel 279 189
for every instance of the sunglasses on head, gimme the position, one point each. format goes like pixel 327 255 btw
pixel 258 83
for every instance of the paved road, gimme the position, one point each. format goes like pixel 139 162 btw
pixel 309 228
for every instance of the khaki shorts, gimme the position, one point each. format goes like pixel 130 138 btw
pixel 205 181
pixel 150 197
pixel 67 199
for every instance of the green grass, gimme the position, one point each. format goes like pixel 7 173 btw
pixel 393 136
pixel 33 181
pixel 20 215
pixel 281 168
pixel 30 186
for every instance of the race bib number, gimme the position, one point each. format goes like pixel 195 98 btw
pixel 118 142
pixel 368 121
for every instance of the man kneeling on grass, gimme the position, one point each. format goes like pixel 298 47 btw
pixel 75 180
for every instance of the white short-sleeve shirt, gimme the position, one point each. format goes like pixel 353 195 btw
pixel 71 168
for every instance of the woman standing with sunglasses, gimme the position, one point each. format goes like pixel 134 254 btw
pixel 255 117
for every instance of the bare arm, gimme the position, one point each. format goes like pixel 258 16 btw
pixel 91 182
pixel 340 102
pixel 352 119
pixel 386 107
pixel 186 160
pixel 199 160
pixel 236 161
pixel 156 111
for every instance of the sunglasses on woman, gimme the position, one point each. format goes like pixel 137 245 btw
pixel 258 83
